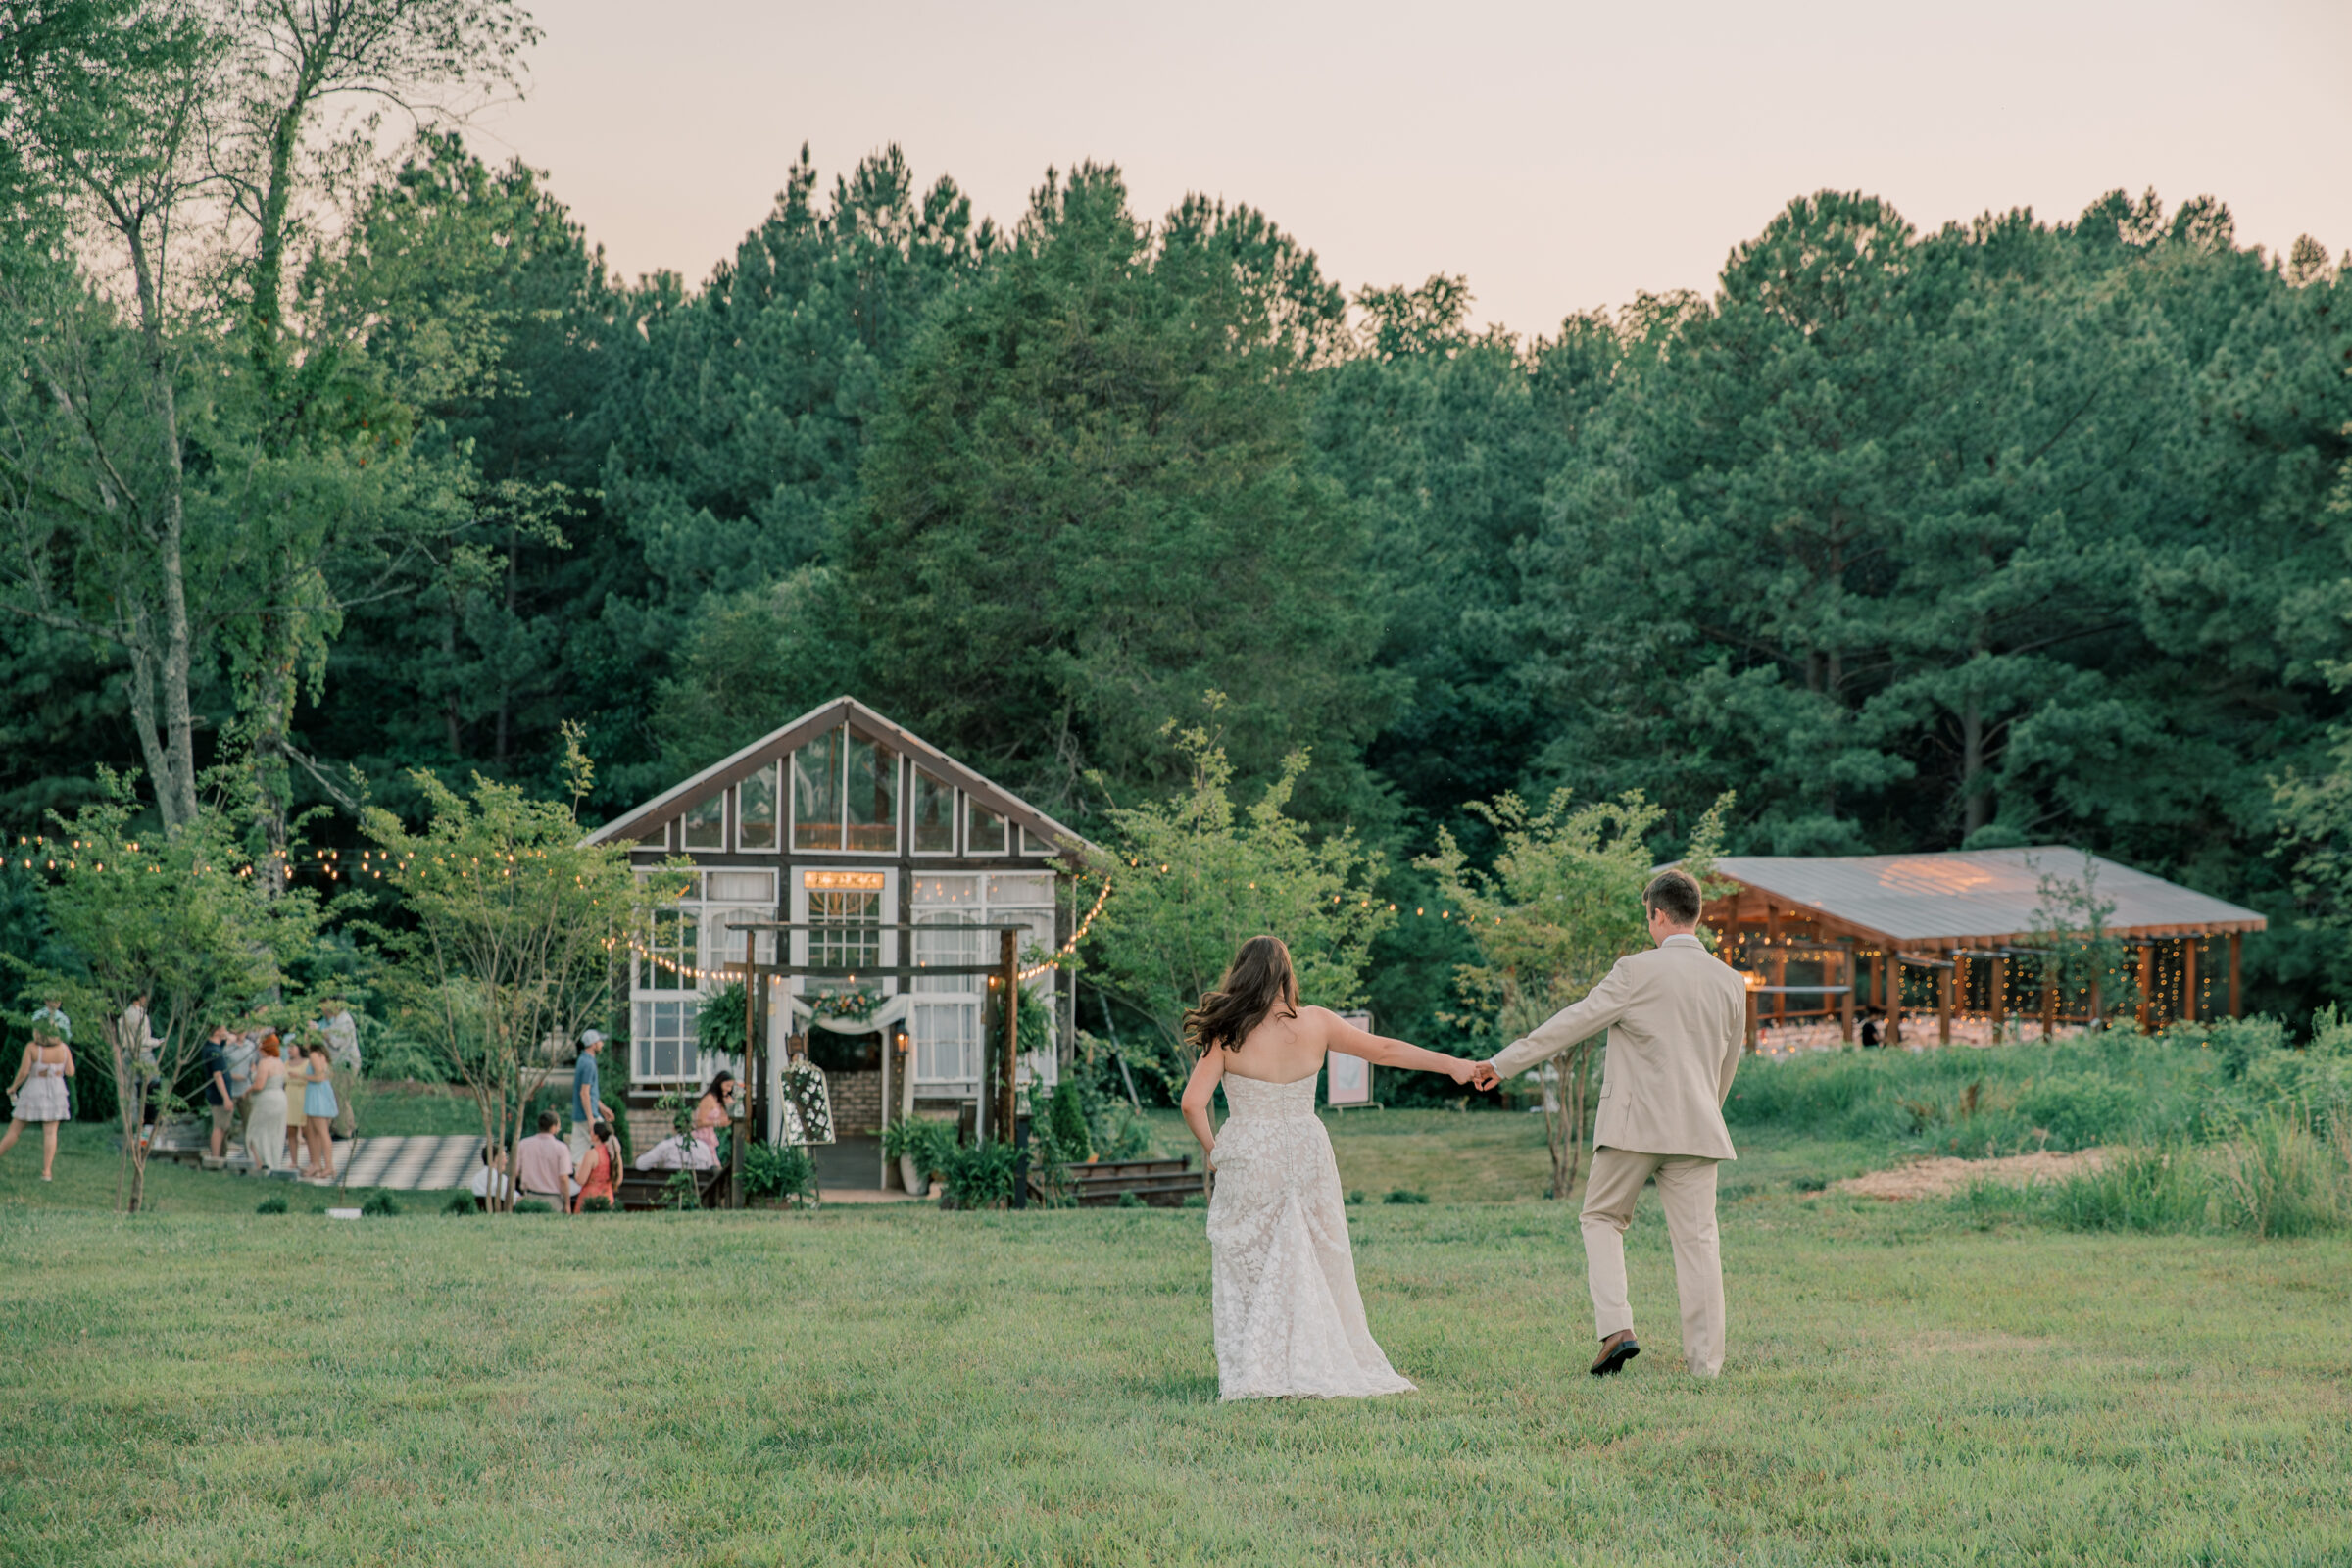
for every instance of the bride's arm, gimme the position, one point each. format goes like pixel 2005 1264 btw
pixel 1340 1035
pixel 1199 1091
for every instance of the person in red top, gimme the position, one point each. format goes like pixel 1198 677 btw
pixel 599 1170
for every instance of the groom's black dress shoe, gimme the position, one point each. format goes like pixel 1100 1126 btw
pixel 1615 1351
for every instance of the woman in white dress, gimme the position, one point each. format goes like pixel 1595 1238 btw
pixel 39 1093
pixel 266 1124
pixel 1288 1318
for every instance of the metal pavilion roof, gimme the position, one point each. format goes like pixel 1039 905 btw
pixel 1965 897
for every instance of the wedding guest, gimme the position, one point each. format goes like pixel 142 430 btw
pixel 139 1045
pixel 601 1171
pixel 53 1019
pixel 342 1034
pixel 489 1179
pixel 38 1091
pixel 543 1164
pixel 715 1110
pixel 266 1115
pixel 1870 1031
pixel 239 1052
pixel 219 1101
pixel 587 1097
pixel 318 1111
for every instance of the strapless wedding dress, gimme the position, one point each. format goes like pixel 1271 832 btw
pixel 1288 1320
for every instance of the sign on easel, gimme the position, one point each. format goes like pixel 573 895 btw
pixel 1348 1080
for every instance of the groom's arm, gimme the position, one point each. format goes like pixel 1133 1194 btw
pixel 1600 1007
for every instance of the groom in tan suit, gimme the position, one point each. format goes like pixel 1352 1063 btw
pixel 1676 1016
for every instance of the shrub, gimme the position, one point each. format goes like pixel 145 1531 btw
pixel 2137 1189
pixel 2079 1110
pixel 1130 1201
pixel 533 1205
pixel 777 1170
pixel 1355 1195
pixel 378 1205
pixel 977 1176
pixel 596 1206
pixel 1406 1195
pixel 460 1202
pixel 274 1204
pixel 2274 1177
pixel 2235 1043
pixel 1067 1138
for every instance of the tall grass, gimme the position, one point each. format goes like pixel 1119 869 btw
pixel 2274 1175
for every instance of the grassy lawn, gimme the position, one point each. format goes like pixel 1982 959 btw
pixel 903 1386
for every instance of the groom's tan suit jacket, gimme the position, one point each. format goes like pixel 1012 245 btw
pixel 1677 1016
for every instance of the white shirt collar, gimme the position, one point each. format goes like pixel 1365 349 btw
pixel 1685 938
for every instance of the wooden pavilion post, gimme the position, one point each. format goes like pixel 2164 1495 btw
pixel 1751 1020
pixel 2001 997
pixel 2188 978
pixel 1846 1003
pixel 1943 1004
pixel 1894 1000
pixel 2049 995
pixel 2147 973
pixel 2236 944
pixel 1009 959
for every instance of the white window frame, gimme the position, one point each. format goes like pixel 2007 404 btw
pixel 779 803
pixel 792 803
pixel 915 768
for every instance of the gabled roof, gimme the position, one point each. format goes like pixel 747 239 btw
pixel 1962 897
pixel 641 821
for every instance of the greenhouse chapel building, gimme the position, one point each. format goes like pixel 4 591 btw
pixel 846 824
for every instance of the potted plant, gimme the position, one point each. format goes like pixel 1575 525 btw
pixel 921 1147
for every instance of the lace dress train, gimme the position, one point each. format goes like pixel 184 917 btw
pixel 1288 1320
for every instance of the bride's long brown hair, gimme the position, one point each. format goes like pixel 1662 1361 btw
pixel 1257 984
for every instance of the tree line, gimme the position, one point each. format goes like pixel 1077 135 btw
pixel 318 466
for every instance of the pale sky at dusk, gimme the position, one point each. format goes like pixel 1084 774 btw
pixel 1562 155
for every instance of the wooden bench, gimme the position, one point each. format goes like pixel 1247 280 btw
pixel 645 1191
pixel 1160 1183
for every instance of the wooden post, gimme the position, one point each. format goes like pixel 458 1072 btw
pixel 2049 995
pixel 1894 1000
pixel 1009 957
pixel 1846 1003
pixel 2188 978
pixel 2000 998
pixel 2235 945
pixel 2148 969
pixel 739 1123
pixel 1944 1005
pixel 1751 1020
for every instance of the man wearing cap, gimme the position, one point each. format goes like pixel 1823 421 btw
pixel 587 1107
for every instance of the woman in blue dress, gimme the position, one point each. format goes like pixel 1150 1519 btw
pixel 317 1112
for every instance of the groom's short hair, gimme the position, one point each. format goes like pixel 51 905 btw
pixel 1675 896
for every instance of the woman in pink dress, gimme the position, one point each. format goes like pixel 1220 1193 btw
pixel 39 1093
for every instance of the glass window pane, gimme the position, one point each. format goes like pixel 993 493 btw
pixel 934 815
pixel 1031 843
pixel 873 793
pixel 706 824
pixel 983 829
pixel 817 794
pixel 947 892
pixel 1032 890
pixel 755 811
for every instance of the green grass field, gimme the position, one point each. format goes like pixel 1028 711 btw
pixel 205 1386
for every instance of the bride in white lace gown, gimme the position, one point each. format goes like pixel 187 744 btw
pixel 1288 1318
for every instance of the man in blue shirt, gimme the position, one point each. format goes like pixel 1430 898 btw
pixel 587 1105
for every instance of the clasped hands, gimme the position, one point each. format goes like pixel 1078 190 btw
pixel 1477 1074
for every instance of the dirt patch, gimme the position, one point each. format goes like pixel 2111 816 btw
pixel 1936 1178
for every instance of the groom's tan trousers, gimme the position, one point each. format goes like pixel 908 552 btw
pixel 1687 1192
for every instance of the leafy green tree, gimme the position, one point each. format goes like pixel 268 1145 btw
pixel 178 918
pixel 1561 906
pixel 516 929
pixel 1196 876
pixel 1091 495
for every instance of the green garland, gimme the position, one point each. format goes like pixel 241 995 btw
pixel 857 1005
